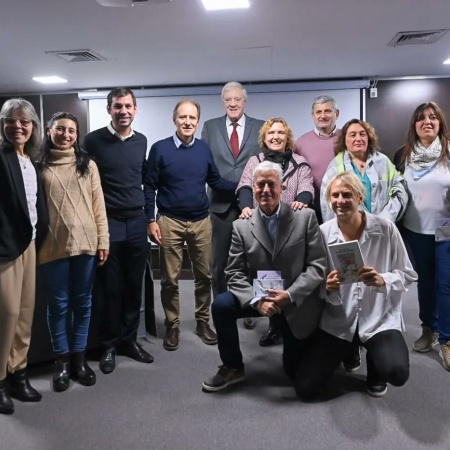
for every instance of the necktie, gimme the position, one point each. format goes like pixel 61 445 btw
pixel 234 141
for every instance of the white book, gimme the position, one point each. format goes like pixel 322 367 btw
pixel 348 259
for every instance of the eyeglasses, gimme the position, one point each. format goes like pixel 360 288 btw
pixel 227 101
pixel 12 121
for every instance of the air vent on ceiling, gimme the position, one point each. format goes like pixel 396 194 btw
pixel 417 37
pixel 72 56
pixel 131 2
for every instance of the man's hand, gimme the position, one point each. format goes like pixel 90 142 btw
pixel 154 232
pixel 370 277
pixel 333 282
pixel 298 205
pixel 279 297
pixel 102 257
pixel 246 213
pixel 267 308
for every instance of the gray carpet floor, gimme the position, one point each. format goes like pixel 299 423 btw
pixel 162 406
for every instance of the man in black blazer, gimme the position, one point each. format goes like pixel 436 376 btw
pixel 231 156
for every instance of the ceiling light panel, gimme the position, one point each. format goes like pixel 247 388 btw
pixel 50 80
pixel 215 5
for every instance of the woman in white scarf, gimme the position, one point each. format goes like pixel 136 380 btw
pixel 426 159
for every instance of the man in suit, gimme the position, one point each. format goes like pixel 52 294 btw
pixel 275 238
pixel 233 139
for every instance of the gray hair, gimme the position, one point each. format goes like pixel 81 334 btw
pixel 186 100
pixel 267 166
pixel 9 107
pixel 324 99
pixel 234 85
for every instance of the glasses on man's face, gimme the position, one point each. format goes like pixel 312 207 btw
pixel 12 121
pixel 229 100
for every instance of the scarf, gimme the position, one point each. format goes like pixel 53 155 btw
pixel 423 160
pixel 281 158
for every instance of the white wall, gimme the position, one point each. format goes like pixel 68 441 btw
pixel 154 117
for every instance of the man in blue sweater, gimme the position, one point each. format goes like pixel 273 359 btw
pixel 178 168
pixel 120 153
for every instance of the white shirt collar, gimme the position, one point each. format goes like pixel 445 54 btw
pixel 240 122
pixel 330 135
pixel 115 133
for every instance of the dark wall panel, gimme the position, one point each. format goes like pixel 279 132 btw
pixel 391 111
pixel 67 103
pixel 35 100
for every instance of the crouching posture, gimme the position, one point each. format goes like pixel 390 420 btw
pixel 367 312
pixel 275 238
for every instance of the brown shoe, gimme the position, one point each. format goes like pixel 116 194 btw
pixel 171 339
pixel 206 334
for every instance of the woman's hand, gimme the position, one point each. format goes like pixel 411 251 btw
pixel 246 213
pixel 298 205
pixel 370 277
pixel 102 256
pixel 333 281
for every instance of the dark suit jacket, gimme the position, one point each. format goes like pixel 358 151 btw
pixel 215 134
pixel 299 253
pixel 15 226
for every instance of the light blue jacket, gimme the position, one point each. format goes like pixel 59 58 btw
pixel 389 191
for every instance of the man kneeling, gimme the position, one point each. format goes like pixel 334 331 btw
pixel 274 239
pixel 367 312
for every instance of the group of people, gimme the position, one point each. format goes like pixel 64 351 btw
pixel 272 204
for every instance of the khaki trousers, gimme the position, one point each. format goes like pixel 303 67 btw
pixel 17 296
pixel 197 236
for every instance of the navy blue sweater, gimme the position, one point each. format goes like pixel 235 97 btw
pixel 179 175
pixel 121 165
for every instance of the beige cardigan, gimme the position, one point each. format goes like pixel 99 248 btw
pixel 76 208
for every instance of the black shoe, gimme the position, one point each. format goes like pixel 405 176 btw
pixel 6 403
pixel 21 388
pixel 81 370
pixel 377 389
pixel 107 362
pixel 61 373
pixel 249 323
pixel 271 337
pixel 136 352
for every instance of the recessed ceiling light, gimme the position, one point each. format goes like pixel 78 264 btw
pixel 214 5
pixel 447 61
pixel 50 80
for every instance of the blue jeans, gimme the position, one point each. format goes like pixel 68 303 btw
pixel 432 263
pixel 68 283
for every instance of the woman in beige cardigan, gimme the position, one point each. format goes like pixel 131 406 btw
pixel 77 240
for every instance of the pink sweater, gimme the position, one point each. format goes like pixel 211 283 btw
pixel 318 152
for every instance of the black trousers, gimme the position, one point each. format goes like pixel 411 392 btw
pixel 121 281
pixel 387 361
pixel 222 229
pixel 226 310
